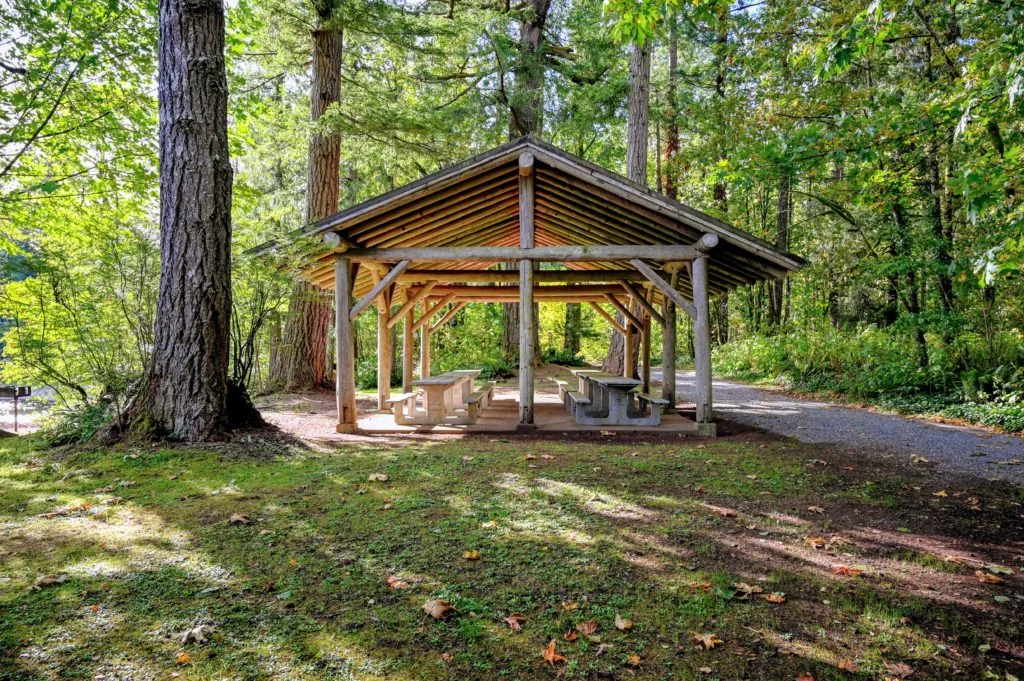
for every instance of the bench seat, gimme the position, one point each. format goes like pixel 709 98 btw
pixel 478 401
pixel 404 406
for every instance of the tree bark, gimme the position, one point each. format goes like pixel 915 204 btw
pixel 672 128
pixel 573 320
pixel 185 391
pixel 638 129
pixel 782 222
pixel 304 353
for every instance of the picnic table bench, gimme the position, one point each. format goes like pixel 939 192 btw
pixel 607 399
pixel 448 399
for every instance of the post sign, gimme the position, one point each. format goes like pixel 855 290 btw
pixel 15 391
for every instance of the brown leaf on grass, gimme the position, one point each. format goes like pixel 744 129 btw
pixel 569 636
pixel 816 542
pixel 805 677
pixel 378 477
pixel 437 608
pixel 634 660
pixel 515 621
pixel 848 665
pixel 94 607
pixel 702 586
pixel 973 503
pixel 569 605
pixel 846 571
pixel 986 578
pixel 529 457
pixel 489 525
pixel 940 493
pixel 396 583
pixel 775 597
pixel 196 634
pixel 746 589
pixel 471 555
pixel 182 658
pixel 587 628
pixel 899 670
pixel 815 509
pixel 623 624
pixel 550 656
pixel 447 657
pixel 707 641
pixel 239 519
pixel 727 513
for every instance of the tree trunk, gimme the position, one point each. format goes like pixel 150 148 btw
pixel 672 128
pixel 783 221
pixel 636 169
pixel 304 353
pixel 573 320
pixel 185 392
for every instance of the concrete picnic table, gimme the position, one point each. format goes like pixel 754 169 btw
pixel 610 398
pixel 445 392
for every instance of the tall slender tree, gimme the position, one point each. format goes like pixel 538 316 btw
pixel 301 362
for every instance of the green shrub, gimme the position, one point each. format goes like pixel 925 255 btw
pixel 76 423
pixel 563 357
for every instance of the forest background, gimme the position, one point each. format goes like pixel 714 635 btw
pixel 882 142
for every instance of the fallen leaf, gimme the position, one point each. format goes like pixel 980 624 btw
pixel 529 457
pixel 805 677
pixel 182 658
pixel 846 571
pixel 489 525
pixel 914 458
pixel 633 660
pixel 703 586
pixel 94 607
pixel 569 605
pixel 378 477
pixel 727 513
pixel 816 542
pixel 986 578
pixel 940 493
pixel 705 670
pixel 471 555
pixel 602 648
pixel 708 641
pixel 396 583
pixel 239 519
pixel 775 597
pixel 622 624
pixel 437 608
pixel 747 589
pixel 515 621
pixel 815 509
pixel 847 665
pixel 447 657
pixel 550 656
pixel 569 636
pixel 587 628
pixel 900 670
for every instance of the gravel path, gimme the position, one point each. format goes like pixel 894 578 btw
pixel 953 448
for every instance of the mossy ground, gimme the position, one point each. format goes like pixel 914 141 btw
pixel 568 531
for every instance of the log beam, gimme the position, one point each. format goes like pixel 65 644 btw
pixel 428 314
pixel 702 345
pixel 448 315
pixel 668 347
pixel 410 303
pixel 527 243
pixel 386 281
pixel 610 319
pixel 345 370
pixel 666 288
pixel 643 302
pixel 482 254
pixel 631 319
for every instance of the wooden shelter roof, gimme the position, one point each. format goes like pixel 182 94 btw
pixel 578 203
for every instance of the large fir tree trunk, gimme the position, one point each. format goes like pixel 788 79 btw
pixel 525 107
pixel 573 321
pixel 638 128
pixel 303 364
pixel 672 128
pixel 185 392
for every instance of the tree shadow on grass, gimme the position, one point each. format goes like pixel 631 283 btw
pixel 654 533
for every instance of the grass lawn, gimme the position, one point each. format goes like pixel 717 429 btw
pixel 881 569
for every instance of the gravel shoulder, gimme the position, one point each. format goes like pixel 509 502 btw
pixel 953 448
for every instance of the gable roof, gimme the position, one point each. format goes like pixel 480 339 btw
pixel 475 203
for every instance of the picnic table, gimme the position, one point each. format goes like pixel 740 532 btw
pixel 607 399
pixel 448 398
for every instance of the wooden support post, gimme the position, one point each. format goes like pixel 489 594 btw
pixel 424 345
pixel 702 345
pixel 383 352
pixel 668 348
pixel 628 370
pixel 645 353
pixel 408 340
pixel 345 370
pixel 641 300
pixel 526 309
pixel 610 319
pixel 380 287
pixel 410 303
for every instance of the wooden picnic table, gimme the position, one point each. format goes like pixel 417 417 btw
pixel 608 399
pixel 445 392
